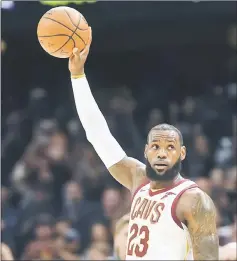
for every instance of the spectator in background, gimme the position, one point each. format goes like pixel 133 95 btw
pixel 98 251
pixel 41 247
pixel 188 111
pixel 217 178
pixel 198 157
pixel 122 106
pixel 227 233
pixel 155 117
pixel 81 212
pixel 9 213
pixel 99 233
pixel 100 246
pixel 112 203
pixel 223 156
pixel 62 226
pixel 204 184
pixel 67 247
pixel 8 219
pixel 230 183
pixel 57 158
pixel 89 172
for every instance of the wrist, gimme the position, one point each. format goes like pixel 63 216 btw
pixel 78 76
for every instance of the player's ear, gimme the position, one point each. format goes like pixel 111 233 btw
pixel 183 153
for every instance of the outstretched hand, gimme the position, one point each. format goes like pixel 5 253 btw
pixel 78 59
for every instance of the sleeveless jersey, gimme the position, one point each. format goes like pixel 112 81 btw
pixel 155 233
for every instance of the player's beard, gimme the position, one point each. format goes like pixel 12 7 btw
pixel 168 175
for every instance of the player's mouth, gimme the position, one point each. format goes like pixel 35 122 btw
pixel 160 166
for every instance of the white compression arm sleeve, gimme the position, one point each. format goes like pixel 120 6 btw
pixel 95 125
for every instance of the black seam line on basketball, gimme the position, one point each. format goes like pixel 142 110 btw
pixel 70 37
pixel 72 21
pixel 62 45
pixel 74 45
pixel 77 26
pixel 65 27
pixel 45 36
pixel 71 18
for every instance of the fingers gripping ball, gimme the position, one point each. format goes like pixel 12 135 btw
pixel 61 29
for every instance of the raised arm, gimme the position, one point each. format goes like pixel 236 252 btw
pixel 128 171
pixel 200 215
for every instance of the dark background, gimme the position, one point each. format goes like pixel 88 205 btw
pixel 127 38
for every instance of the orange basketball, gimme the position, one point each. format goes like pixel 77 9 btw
pixel 61 29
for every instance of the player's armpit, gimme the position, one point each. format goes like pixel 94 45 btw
pixel 129 172
pixel 201 218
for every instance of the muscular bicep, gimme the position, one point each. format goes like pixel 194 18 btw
pixel 129 172
pixel 201 219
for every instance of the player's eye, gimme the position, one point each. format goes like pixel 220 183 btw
pixel 155 146
pixel 171 147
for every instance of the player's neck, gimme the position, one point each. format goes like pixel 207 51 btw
pixel 164 184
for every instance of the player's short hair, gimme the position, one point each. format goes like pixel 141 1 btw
pixel 165 127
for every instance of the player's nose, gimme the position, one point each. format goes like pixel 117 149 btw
pixel 162 154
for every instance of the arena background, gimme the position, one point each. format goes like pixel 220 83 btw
pixel 150 62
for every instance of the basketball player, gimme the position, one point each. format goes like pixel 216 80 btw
pixel 171 218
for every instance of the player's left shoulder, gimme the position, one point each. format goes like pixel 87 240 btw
pixel 195 200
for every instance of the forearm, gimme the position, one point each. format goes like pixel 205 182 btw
pixel 206 248
pixel 95 125
pixel 201 219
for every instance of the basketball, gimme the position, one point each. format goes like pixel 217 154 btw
pixel 61 29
